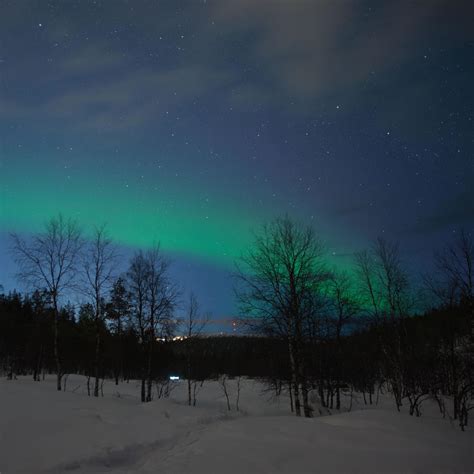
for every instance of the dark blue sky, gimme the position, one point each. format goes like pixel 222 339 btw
pixel 193 122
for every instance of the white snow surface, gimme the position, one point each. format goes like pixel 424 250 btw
pixel 45 431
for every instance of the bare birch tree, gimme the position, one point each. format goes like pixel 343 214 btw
pixel 154 298
pixel 455 273
pixel 49 261
pixel 384 284
pixel 278 284
pixel 162 296
pixel 138 288
pixel 452 283
pixel 345 305
pixel 99 262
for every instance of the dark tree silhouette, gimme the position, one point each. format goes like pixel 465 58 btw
pixel 99 262
pixel 279 285
pixel 118 313
pixel 193 324
pixel 49 261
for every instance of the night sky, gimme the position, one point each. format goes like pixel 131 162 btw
pixel 192 123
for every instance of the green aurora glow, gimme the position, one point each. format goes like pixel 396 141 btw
pixel 138 214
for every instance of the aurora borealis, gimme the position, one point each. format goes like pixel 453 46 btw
pixel 192 123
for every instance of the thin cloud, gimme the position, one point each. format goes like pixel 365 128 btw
pixel 298 51
pixel 313 48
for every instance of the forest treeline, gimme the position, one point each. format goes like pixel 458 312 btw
pixel 313 332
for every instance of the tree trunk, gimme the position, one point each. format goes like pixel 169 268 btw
pixel 308 411
pixel 149 372
pixel 195 391
pixel 119 372
pixel 238 395
pixel 321 393
pixel 39 363
pixel 189 392
pixel 56 344
pixel 294 378
pixel 143 398
pixel 188 372
pixel 291 397
pixel 97 358
pixel 10 368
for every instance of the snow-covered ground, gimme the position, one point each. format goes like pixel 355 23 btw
pixel 42 430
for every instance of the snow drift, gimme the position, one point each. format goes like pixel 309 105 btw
pixel 43 430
